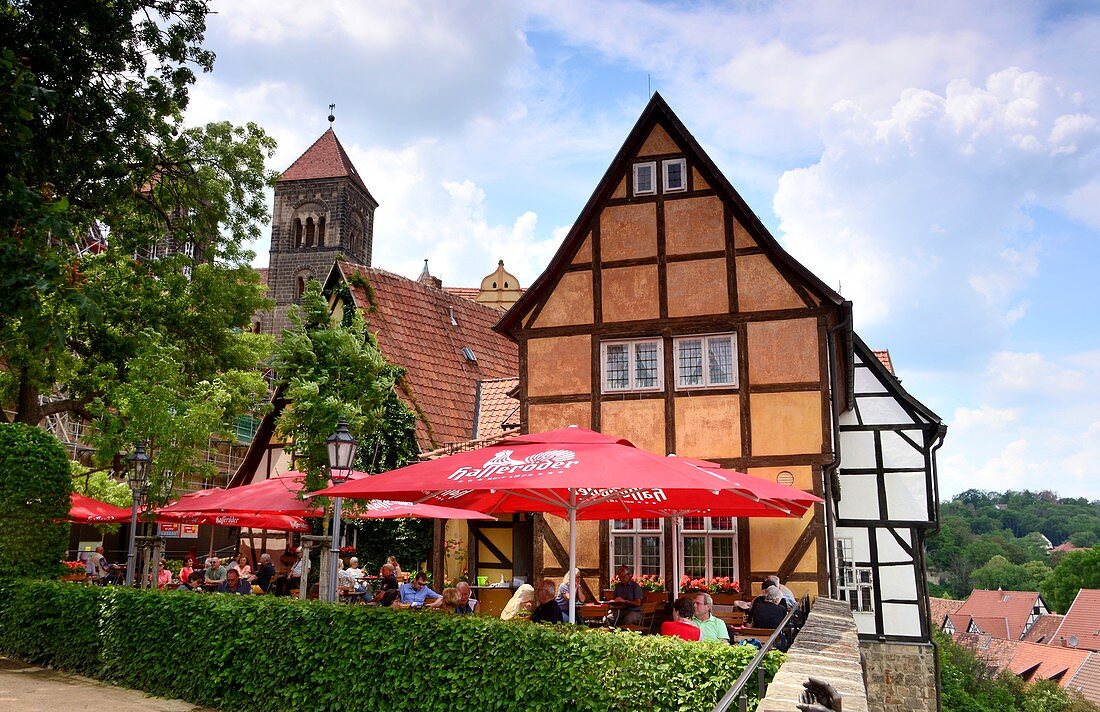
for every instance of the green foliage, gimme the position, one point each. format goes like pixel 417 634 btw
pixel 330 369
pixel 976 526
pixel 969 686
pixel 1076 570
pixel 219 651
pixel 34 502
pixel 100 485
pixel 93 141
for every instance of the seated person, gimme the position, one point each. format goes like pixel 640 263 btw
pixel 768 610
pixel 192 583
pixel 466 604
pixel 417 593
pixel 563 592
pixel 710 627
pixel 164 575
pixel 788 594
pixel 293 578
pixel 523 600
pixel 547 609
pixel 264 573
pixel 626 606
pixel 449 600
pixel 241 564
pixel 680 626
pixel 187 569
pixel 233 583
pixel 389 583
pixel 215 572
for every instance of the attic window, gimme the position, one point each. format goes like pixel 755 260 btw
pixel 451 312
pixel 675 175
pixel 644 178
pixel 468 353
pixel 506 285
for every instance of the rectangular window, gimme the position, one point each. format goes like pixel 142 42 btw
pixel 645 182
pixel 675 175
pixel 706 361
pixel 856 583
pixel 632 365
pixel 709 547
pixel 638 544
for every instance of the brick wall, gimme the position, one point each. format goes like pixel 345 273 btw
pixel 900 677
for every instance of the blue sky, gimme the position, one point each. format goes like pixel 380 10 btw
pixel 940 162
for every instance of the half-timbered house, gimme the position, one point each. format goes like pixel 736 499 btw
pixel 672 317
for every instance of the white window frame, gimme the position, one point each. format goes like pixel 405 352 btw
pixel 709 533
pixel 635 533
pixel 683 175
pixel 856 584
pixel 632 386
pixel 706 339
pixel 652 165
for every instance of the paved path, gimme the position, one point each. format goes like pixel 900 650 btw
pixel 28 688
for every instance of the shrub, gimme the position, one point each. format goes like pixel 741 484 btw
pixel 34 502
pixel 267 653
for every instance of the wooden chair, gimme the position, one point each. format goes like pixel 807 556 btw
pixel 648 610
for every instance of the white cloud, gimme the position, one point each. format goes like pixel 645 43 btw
pixel 925 211
pixel 983 418
pixel 1033 373
pixel 1084 462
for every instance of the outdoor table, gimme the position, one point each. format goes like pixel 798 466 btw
pixel 593 614
pixel 211 585
pixel 348 596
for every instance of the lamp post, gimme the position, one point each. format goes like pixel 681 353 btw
pixel 341 453
pixel 138 465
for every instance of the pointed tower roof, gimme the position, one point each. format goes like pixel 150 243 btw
pixel 326 158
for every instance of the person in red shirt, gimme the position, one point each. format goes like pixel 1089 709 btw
pixel 682 611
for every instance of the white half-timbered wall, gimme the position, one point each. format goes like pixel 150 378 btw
pixel 887 501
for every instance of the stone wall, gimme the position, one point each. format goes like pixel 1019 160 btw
pixel 901 677
pixel 826 648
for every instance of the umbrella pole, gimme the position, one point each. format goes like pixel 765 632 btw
pixel 675 558
pixel 572 556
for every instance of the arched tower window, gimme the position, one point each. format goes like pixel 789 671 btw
pixel 310 232
pixel 321 232
pixel 297 232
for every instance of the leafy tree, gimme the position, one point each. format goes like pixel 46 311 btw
pixel 999 572
pixel 1076 570
pixel 93 142
pixel 99 484
pixel 1083 540
pixel 34 501
pixel 329 369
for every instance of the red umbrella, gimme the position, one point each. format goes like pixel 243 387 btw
pixel 571 472
pixel 278 522
pixel 389 509
pixel 85 510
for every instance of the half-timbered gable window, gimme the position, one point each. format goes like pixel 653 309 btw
pixel 674 173
pixel 709 546
pixel 634 365
pixel 856 583
pixel 645 178
pixel 636 544
pixel 706 361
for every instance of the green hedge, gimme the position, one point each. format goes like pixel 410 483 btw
pixel 34 501
pixel 268 653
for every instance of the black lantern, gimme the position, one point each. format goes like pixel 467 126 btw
pixel 341 452
pixel 139 469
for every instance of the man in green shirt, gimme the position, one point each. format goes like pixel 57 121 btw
pixel 711 627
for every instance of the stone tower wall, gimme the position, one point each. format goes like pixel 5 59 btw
pixel 349 232
pixel 901 677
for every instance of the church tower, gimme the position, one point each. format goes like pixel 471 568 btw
pixel 323 210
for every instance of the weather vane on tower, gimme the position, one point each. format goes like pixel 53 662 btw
pixel 331 115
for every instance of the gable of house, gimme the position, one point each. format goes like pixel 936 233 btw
pixel 1019 609
pixel 1082 621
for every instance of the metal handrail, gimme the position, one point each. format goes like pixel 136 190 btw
pixel 754 667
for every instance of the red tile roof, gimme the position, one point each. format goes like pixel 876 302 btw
pixel 1087 679
pixel 996 653
pixel 413 325
pixel 1082 621
pixel 326 158
pixel 1043 629
pixel 884 357
pixel 993 625
pixel 940 608
pixel 464 292
pixel 496 407
pixel 1044 662
pixel 1014 606
pixel 1066 546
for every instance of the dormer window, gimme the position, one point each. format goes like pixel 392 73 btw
pixel 675 175
pixel 645 182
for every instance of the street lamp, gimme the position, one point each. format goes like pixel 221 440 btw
pixel 341 453
pixel 138 465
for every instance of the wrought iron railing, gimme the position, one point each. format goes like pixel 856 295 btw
pixel 788 628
